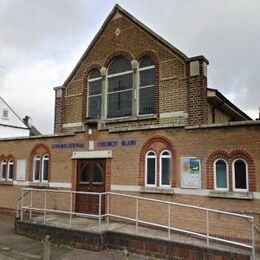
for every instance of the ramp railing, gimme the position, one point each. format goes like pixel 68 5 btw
pixel 208 224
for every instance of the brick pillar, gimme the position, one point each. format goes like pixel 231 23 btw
pixel 197 91
pixel 58 110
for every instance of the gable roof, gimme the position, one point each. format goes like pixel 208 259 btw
pixel 118 8
pixel 21 123
pixel 217 99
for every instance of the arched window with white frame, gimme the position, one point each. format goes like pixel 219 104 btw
pixel 150 168
pixel 45 168
pixel 119 88
pixel 10 170
pixel 94 94
pixel 3 169
pixel 146 86
pixel 36 168
pixel 220 175
pixel 165 168
pixel 240 175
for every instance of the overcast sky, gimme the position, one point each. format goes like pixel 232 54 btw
pixel 42 40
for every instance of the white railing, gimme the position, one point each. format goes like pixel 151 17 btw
pixel 27 204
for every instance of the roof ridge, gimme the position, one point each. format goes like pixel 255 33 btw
pixel 117 7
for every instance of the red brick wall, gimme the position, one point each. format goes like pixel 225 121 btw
pixel 175 91
pixel 126 165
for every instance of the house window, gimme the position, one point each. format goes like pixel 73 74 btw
pixel 120 88
pixel 94 94
pixel 40 168
pixel 165 168
pixel 240 175
pixel 7 170
pixel 220 175
pixel 146 86
pixel 5 114
pixel 150 168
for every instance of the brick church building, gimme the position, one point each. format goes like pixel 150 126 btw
pixel 136 116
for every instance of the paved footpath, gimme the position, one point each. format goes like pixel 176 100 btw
pixel 13 246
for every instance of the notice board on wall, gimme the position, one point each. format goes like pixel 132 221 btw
pixel 21 170
pixel 190 173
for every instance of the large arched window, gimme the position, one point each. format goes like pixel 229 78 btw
pixel 94 94
pixel 240 175
pixel 165 168
pixel 221 175
pixel 146 86
pixel 150 168
pixel 120 88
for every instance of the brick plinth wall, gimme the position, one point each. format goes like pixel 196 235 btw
pixel 115 240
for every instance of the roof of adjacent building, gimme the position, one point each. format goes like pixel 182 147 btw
pixel 218 100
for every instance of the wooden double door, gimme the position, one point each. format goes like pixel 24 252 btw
pixel 90 178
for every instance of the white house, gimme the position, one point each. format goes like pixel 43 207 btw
pixel 11 125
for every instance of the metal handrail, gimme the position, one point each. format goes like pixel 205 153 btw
pixel 17 202
pixel 137 221
pixel 144 198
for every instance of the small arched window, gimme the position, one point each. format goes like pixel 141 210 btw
pixel 120 88
pixel 36 167
pixel 10 170
pixel 146 86
pixel 165 168
pixel 3 169
pixel 150 168
pixel 94 94
pixel 220 175
pixel 240 175
pixel 45 168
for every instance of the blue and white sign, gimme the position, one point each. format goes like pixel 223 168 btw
pixel 190 173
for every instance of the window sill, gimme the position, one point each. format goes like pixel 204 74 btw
pixel 39 184
pixel 158 190
pixel 7 183
pixel 131 118
pixel 231 195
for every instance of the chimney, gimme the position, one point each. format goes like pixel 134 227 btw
pixel 28 122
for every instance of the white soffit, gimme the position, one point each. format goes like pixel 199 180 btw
pixel 92 154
